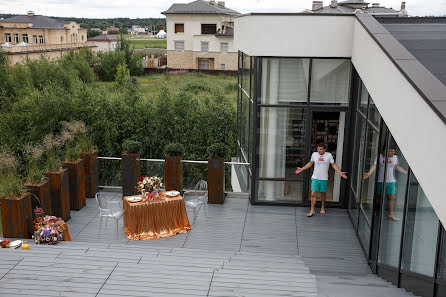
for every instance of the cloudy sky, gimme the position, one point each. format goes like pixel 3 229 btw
pixel 152 8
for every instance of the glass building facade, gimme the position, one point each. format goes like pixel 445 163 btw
pixel 286 106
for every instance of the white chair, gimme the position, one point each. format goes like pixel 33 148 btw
pixel 196 197
pixel 107 212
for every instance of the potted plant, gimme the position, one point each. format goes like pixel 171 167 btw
pixel 216 173
pixel 130 166
pixel 57 176
pixel 90 156
pixel 35 181
pixel 15 201
pixel 74 165
pixel 173 153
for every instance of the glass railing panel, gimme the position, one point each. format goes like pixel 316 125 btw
pixel 109 170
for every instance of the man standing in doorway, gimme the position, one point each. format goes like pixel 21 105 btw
pixel 321 160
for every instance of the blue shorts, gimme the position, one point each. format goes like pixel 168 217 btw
pixel 390 188
pixel 319 185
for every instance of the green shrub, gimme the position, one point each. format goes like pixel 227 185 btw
pixel 85 144
pixel 131 146
pixel 218 150
pixel 174 149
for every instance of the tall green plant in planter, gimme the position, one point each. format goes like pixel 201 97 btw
pixel 130 166
pixel 216 173
pixel 15 202
pixel 91 165
pixel 74 165
pixel 173 153
pixel 35 181
pixel 57 176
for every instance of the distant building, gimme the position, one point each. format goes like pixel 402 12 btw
pixel 96 29
pixel 31 36
pixel 113 30
pixel 161 34
pixel 105 43
pixel 137 30
pixel 350 6
pixel 201 36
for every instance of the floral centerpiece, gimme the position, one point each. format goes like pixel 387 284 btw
pixel 48 230
pixel 149 186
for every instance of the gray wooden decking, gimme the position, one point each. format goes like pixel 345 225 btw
pixel 237 250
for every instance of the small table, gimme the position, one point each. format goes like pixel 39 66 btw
pixel 151 220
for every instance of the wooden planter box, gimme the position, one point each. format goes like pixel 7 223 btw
pixel 76 183
pixel 60 193
pixel 172 173
pixel 130 173
pixel 91 173
pixel 42 191
pixel 17 217
pixel 216 181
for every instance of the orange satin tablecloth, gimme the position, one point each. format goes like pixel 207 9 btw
pixel 151 220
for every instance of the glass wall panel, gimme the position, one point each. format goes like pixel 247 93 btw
pixel 363 99
pixel 393 202
pixel 268 190
pixel 353 209
pixel 284 80
pixel 368 182
pixel 246 105
pixel 420 234
pixel 282 141
pixel 358 149
pixel 374 117
pixel 330 81
pixel 364 232
pixel 246 73
pixel 442 259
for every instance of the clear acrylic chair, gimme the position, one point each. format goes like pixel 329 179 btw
pixel 196 197
pixel 106 212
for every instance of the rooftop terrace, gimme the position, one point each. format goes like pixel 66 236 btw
pixel 237 250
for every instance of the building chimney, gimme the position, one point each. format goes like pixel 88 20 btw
pixel 403 5
pixel 317 5
pixel 221 3
pixel 334 4
pixel 212 1
pixel 30 13
pixel 375 4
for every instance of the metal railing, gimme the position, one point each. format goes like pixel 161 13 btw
pixel 192 172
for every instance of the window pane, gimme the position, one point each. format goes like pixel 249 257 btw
pixel 208 28
pixel 179 28
pixel 364 232
pixel 245 73
pixel 284 80
pixel 393 203
pixel 279 190
pixel 374 117
pixel 179 46
pixel 420 234
pixel 353 209
pixel 330 81
pixel 224 47
pixel 368 183
pixel 245 125
pixel 282 142
pixel 363 99
pixel 204 46
pixel 358 152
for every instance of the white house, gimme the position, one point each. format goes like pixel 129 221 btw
pixel 105 43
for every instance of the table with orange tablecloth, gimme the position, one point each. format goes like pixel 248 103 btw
pixel 151 220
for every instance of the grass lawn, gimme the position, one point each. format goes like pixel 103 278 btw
pixel 201 85
pixel 148 43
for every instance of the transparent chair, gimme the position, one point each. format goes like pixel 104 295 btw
pixel 196 197
pixel 106 212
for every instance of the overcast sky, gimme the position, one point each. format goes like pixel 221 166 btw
pixel 153 8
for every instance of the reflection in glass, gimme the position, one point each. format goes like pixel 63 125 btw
pixel 279 190
pixel 363 99
pixel 330 81
pixel 281 146
pixel 442 260
pixel 353 209
pixel 420 234
pixel 364 232
pixel 246 73
pixel 374 117
pixel 358 149
pixel 393 202
pixel 368 183
pixel 284 80
pixel 246 105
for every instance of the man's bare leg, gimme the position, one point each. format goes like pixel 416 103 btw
pixel 313 204
pixel 323 196
pixel 391 207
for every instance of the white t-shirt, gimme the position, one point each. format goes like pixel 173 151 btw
pixel 391 163
pixel 321 165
